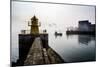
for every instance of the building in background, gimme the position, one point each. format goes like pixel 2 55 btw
pixel 84 25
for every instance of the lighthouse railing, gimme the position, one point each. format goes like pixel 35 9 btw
pixel 25 31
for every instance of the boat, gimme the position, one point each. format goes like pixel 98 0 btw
pixel 58 34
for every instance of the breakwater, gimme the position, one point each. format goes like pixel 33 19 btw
pixel 34 50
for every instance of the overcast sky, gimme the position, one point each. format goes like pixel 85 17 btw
pixel 50 15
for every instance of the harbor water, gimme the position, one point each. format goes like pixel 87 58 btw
pixel 74 48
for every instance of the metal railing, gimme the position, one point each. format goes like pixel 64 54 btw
pixel 25 31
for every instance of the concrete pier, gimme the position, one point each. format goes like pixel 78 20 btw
pixel 34 50
pixel 37 54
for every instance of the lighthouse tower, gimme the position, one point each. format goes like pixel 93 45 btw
pixel 34 25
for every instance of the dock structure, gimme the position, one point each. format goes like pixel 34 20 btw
pixel 34 50
pixel 37 54
pixel 40 55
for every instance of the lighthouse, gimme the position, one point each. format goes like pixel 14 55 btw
pixel 34 25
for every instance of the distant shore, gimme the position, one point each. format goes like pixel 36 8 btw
pixel 81 32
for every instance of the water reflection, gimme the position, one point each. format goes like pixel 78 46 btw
pixel 68 47
pixel 85 39
pixel 70 36
pixel 58 36
pixel 82 39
